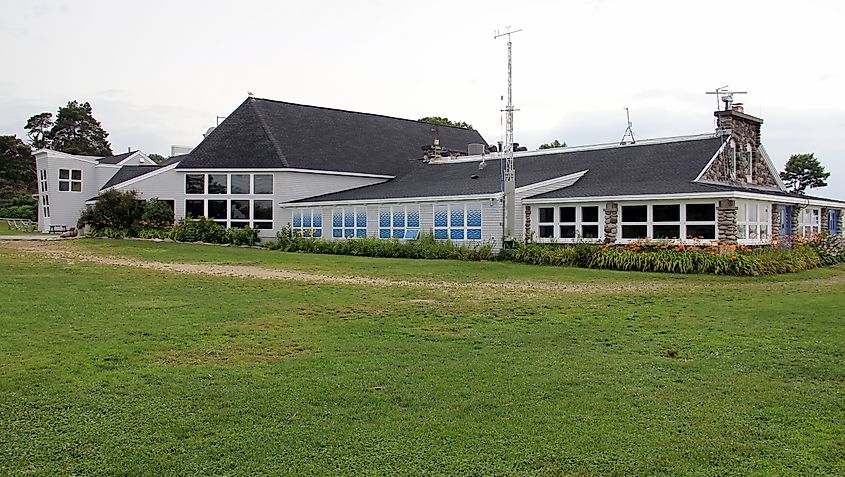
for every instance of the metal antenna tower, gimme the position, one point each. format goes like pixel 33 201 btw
pixel 628 131
pixel 509 172
pixel 724 95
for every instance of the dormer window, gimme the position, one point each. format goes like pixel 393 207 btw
pixel 749 161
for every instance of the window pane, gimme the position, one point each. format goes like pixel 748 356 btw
pixel 361 218
pixel 590 231
pixel 547 214
pixel 264 225
pixel 297 218
pixel 194 184
pixel 666 213
pixel 473 234
pixel 360 232
pixel 590 214
pixel 306 219
pixel 384 233
pixel 701 212
pixel 740 232
pixel 194 208
pixel 701 231
pixel 546 231
pixel 634 213
pixel 337 218
pixel 440 217
pixel 318 218
pixel 752 213
pixel 398 217
pixel 263 183
pixel 634 231
pixel 667 231
pixel 239 225
pixel 263 210
pixel 64 186
pixel 567 231
pixel 337 233
pixel 240 183
pixel 217 183
pixel 64 174
pixel 457 217
pixel 473 217
pixel 441 234
pixel 348 217
pixel 764 232
pixel 456 234
pixel 384 217
pixel 240 209
pixel 413 216
pixel 76 175
pixel 217 209
pixel 399 233
pixel 76 186
pixel 567 214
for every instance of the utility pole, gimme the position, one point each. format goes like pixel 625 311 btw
pixel 509 172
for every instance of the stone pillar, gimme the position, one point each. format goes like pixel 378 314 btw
pixel 611 217
pixel 726 221
pixel 841 219
pixel 528 235
pixel 775 221
pixel 796 212
pixel 823 220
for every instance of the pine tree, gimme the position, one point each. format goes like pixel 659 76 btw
pixel 77 132
pixel 802 172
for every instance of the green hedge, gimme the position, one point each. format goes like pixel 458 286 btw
pixel 423 247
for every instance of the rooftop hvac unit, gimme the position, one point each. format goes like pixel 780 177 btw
pixel 475 149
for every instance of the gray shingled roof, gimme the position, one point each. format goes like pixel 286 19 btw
pixel 262 134
pixel 126 173
pixel 664 167
pixel 115 159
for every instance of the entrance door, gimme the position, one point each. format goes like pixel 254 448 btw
pixel 785 225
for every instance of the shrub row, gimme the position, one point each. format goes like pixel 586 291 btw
pixel 187 230
pixel 423 247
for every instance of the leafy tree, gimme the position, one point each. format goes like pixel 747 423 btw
pixel 552 145
pixel 157 215
pixel 17 166
pixel 157 158
pixel 114 209
pixel 77 132
pixel 804 171
pixel 38 129
pixel 445 122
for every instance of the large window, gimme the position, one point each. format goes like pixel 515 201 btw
pixel 668 221
pixel 307 222
pixel 568 223
pixel 753 221
pixel 232 212
pixel 809 222
pixel 399 221
pixel 70 180
pixel 457 221
pixel 231 184
pixel 349 222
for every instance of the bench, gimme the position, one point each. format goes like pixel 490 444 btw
pixel 58 228
pixel 24 225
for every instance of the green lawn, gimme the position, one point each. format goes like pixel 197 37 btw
pixel 123 371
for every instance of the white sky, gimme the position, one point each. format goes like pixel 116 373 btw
pixel 157 73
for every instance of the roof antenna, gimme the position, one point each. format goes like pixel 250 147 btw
pixel 726 97
pixel 628 130
pixel 509 174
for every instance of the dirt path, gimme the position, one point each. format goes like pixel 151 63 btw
pixel 64 252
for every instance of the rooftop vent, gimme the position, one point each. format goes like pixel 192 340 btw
pixel 475 149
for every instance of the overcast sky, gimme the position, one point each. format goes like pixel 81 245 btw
pixel 157 73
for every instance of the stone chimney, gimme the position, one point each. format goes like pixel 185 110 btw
pixel 745 129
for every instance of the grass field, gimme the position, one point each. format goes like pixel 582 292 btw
pixel 4 230
pixel 108 370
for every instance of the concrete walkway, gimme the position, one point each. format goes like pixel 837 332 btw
pixel 40 237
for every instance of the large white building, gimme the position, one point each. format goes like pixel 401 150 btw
pixel 336 175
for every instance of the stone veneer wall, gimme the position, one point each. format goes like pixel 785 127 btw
pixel 823 219
pixel 611 217
pixel 528 235
pixel 726 220
pixel 841 220
pixel 796 212
pixel 744 130
pixel 775 220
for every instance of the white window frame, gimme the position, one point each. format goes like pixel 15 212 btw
pixel 298 227
pixel 683 222
pixel 205 183
pixel 753 222
pixel 45 206
pixel 356 230
pixel 70 181
pixel 398 231
pixel 449 228
pixel 227 222
pixel 578 224
pixel 809 221
pixel 42 175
